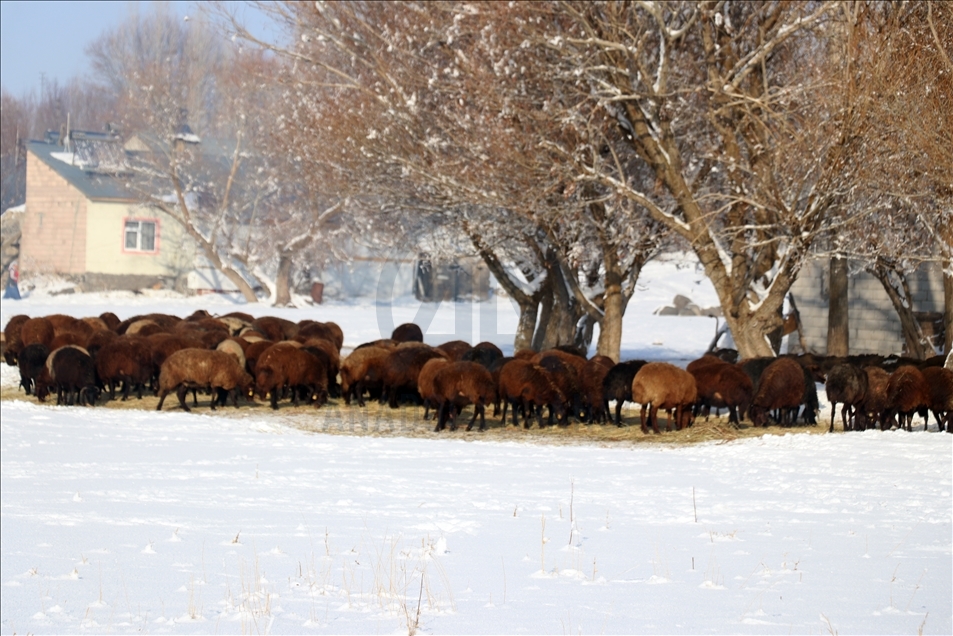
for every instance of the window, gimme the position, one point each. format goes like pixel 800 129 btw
pixel 140 236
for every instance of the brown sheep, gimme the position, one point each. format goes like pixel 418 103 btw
pixel 383 343
pixel 495 369
pixel 112 320
pixel 96 341
pixel 163 345
pixel 37 331
pixel 723 386
pixel 333 359
pixel 166 321
pixel 285 366
pixel 68 337
pixel 485 353
pixel 407 332
pixel 907 393
pixel 95 324
pixel 566 379
pixel 525 354
pixel 361 371
pixel 61 321
pixel 126 359
pixel 199 369
pixel 455 349
pixel 401 369
pixel 526 386
pixel 846 384
pixel 704 361
pixel 593 395
pixel 275 328
pixel 874 405
pixel 458 385
pixel 940 383
pixel 781 387
pixel 254 351
pixel 145 325
pixel 12 339
pixel 425 383
pixel 338 339
pixel 198 314
pixel 329 331
pixel 660 385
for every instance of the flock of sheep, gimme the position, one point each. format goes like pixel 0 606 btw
pixel 240 356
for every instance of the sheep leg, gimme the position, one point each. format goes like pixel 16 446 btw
pixel 653 417
pixel 478 408
pixel 833 415
pixel 442 412
pixel 642 420
pixel 180 393
pixel 618 413
pixel 847 413
pixel 274 398
pixel 528 412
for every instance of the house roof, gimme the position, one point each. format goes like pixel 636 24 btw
pixel 86 167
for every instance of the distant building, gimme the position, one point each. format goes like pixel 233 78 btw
pixel 874 326
pixel 82 221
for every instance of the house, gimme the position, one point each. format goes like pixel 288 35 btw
pixel 82 221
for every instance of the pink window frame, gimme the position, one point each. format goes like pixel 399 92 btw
pixel 140 219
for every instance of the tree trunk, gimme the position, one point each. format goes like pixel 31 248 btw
pixel 283 280
pixel 610 329
pixel 838 333
pixel 230 274
pixel 902 301
pixel 948 308
pixel 526 326
pixel 543 329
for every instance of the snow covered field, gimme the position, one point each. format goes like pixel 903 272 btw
pixel 135 521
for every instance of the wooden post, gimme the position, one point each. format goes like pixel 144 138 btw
pixel 838 332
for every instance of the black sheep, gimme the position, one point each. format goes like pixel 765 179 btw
pixel 31 360
pixel 618 385
pixel 73 375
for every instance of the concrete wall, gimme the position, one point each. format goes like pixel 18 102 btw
pixel 54 223
pixel 105 249
pixel 873 323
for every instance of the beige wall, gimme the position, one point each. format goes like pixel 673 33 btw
pixel 105 242
pixel 54 223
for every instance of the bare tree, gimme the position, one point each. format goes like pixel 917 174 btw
pixel 15 122
pixel 897 79
pixel 719 100
pixel 441 116
pixel 196 154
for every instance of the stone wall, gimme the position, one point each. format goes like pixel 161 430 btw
pixel 873 323
pixel 53 228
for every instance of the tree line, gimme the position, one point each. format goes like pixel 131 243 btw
pixel 564 143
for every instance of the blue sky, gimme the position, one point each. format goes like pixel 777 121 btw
pixel 51 37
